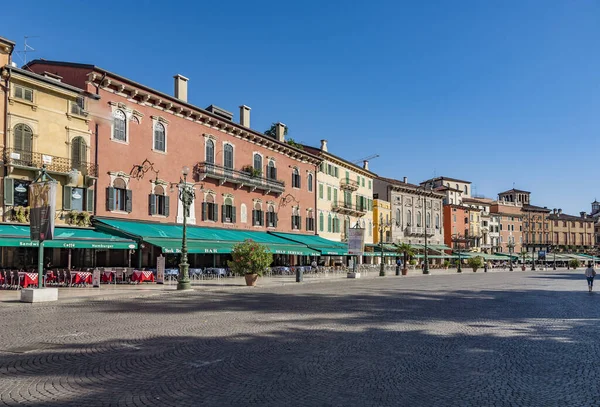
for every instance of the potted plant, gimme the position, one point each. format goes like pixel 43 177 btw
pixel 523 254
pixel 250 170
pixel 413 263
pixel 446 264
pixel 475 263
pixel 574 264
pixel 407 251
pixel 250 259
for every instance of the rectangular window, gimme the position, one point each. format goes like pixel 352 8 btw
pixel 335 172
pixel 363 182
pixel 271 219
pixel 228 213
pixel 328 193
pixel 24 93
pixel 159 204
pixel 258 218
pixel 320 191
pixel 210 211
pixel 310 224
pixel 296 222
pixel 370 185
pixel 321 226
pixel 334 195
pixel 78 106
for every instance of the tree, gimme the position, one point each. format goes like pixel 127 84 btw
pixel 475 262
pixel 407 251
pixel 250 257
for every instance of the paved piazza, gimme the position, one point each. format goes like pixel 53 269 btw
pixel 495 339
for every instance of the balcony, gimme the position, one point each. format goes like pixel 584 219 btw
pixel 61 165
pixel 419 231
pixel 348 184
pixel 348 209
pixel 240 178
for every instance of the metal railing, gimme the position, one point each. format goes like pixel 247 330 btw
pixel 209 170
pixel 349 184
pixel 30 159
pixel 419 230
pixel 341 206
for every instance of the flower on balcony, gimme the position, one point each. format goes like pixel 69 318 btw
pixel 78 218
pixel 250 170
pixel 20 214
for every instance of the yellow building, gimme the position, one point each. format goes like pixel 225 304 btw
pixel 382 210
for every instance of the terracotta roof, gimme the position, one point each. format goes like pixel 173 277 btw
pixel 319 153
pixel 536 208
pixel 564 216
pixel 445 179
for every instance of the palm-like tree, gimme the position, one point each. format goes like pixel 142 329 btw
pixel 407 251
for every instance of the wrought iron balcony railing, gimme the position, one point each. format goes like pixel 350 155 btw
pixel 419 230
pixel 351 185
pixel 241 178
pixel 348 208
pixel 30 159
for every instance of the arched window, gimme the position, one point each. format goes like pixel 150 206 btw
pixel 78 152
pixel 466 190
pixel 408 218
pixel 295 178
pixel 228 156
pixel 159 137
pixel 23 137
pixel 418 219
pixel 258 162
pixel 271 170
pixel 119 125
pixel 228 211
pixel 258 214
pixel 210 210
pixel 457 187
pixel 428 220
pixel 310 220
pixel 159 202
pixel 321 222
pixel 437 220
pixel 119 197
pixel 310 182
pixel 398 218
pixel 210 151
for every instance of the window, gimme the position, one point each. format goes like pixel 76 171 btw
pixel 258 162
pixel 296 219
pixel 159 137
pixel 335 172
pixel 320 191
pixel 210 152
pixel 466 190
pixel 258 215
pixel 370 184
pixel 457 187
pixel 78 106
pixel 398 218
pixel 119 126
pixel 310 182
pixel 418 219
pixel 271 170
pixel 228 211
pixel 210 210
pixel 437 220
pixel 328 193
pixel 329 223
pixel 321 222
pixel 428 220
pixel 228 156
pixel 310 221
pixel 336 225
pixel 363 182
pixel 335 195
pixel 243 213
pixel 159 202
pixel 118 197
pixel 408 218
pixel 23 93
pixel 78 153
pixel 295 178
pixel 23 140
pixel 271 217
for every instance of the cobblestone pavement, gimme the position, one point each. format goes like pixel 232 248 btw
pixel 475 339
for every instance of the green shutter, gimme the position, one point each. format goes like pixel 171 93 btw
pixel 334 195
pixel 233 214
pixel 90 200
pixel 110 199
pixel 204 210
pixel 67 198
pixel 215 212
pixel 167 206
pixel 335 170
pixel 223 213
pixel 152 204
pixel 320 191
pixel 9 191
pixel 128 200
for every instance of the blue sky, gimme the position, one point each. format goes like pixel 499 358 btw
pixel 493 92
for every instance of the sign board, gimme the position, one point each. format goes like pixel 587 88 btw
pixel 42 200
pixel 160 270
pixel 356 241
pixel 96 278
pixel 541 255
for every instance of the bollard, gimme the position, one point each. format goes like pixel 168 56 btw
pixel 299 275
pixel 397 270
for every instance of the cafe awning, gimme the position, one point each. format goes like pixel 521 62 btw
pixel 326 247
pixel 14 235
pixel 200 239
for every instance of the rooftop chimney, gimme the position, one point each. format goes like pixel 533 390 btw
pixel 280 131
pixel 405 180
pixel 366 165
pixel 559 211
pixel 554 211
pixel 583 215
pixel 181 87
pixel 324 145
pixel 245 116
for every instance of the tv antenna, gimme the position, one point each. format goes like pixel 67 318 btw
pixel 26 48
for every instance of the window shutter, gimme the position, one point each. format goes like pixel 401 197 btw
pixel 128 200
pixel 253 217
pixel 274 219
pixel 307 224
pixel 67 198
pixel 334 195
pixel 167 206
pixel 9 191
pixel 336 171
pixel 299 181
pixel 299 222
pixel 233 217
pixel 110 199
pixel 215 212
pixel 152 204
pixel 204 210
pixel 89 206
pixel 274 169
pixel 261 216
pixel 223 213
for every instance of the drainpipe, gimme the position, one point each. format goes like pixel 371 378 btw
pixel 96 163
pixel 5 139
pixel 316 192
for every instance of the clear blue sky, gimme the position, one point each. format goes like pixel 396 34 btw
pixel 492 92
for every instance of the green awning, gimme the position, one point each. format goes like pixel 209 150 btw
pixel 64 237
pixel 325 246
pixel 200 239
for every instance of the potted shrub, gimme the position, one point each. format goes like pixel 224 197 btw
pixel 413 263
pixel 475 263
pixel 574 264
pixel 250 259
pixel 446 264
pixel 523 255
pixel 407 251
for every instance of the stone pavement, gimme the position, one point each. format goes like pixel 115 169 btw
pixel 474 339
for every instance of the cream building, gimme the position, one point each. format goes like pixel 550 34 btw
pixel 344 196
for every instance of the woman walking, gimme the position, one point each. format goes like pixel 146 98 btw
pixel 590 273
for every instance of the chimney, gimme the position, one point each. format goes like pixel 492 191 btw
pixel 554 211
pixel 366 165
pixel 280 131
pixel 559 211
pixel 323 145
pixel 583 215
pixel 181 87
pixel 405 180
pixel 245 116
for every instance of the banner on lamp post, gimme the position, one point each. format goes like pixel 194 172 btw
pixel 42 199
pixel 356 241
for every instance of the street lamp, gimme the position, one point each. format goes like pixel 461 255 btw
pixel 186 196
pixel 511 246
pixel 457 239
pixel 426 259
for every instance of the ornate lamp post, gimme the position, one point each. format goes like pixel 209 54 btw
pixel 186 196
pixel 457 239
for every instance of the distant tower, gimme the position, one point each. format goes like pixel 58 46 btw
pixel 595 207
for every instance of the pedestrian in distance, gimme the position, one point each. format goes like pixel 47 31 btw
pixel 590 273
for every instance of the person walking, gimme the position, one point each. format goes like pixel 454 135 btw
pixel 590 273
